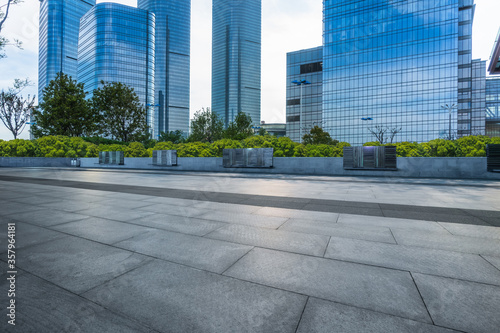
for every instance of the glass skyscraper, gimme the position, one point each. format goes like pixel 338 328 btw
pixel 117 44
pixel 304 65
pixel 399 62
pixel 172 53
pixel 493 106
pixel 58 38
pixel 236 58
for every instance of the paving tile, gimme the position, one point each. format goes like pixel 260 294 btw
pixel 322 316
pixel 36 200
pixel 389 222
pixel 101 230
pixel 182 224
pixel 77 264
pixel 483 213
pixel 174 298
pixel 461 305
pixel 172 201
pixel 380 289
pixel 375 234
pixel 495 261
pixel 172 210
pixel 274 202
pixel 494 221
pixel 11 208
pixel 295 213
pixel 447 242
pixel 209 254
pixel 472 230
pixel 115 213
pixel 122 203
pixel 436 262
pixel 44 307
pixel 247 219
pixel 47 217
pixel 274 239
pixel 27 235
pixel 225 207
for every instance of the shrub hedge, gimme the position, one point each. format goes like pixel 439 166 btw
pixel 62 146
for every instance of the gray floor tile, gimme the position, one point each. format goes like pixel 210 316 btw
pixel 375 234
pixel 274 239
pixel 173 201
pixel 298 214
pixel 13 208
pixel 115 213
pixel 466 219
pixel 28 234
pixel 36 200
pixel 101 230
pixel 472 230
pixel 77 264
pixel 344 209
pixel 436 262
pixel 43 307
pixel 494 221
pixel 226 207
pixel 447 242
pixel 47 217
pixel 389 222
pixel 122 203
pixel 185 225
pixel 461 305
pixel 172 210
pixel 209 254
pixel 246 219
pixel 380 289
pixel 323 316
pixel 495 261
pixel 69 205
pixel 174 298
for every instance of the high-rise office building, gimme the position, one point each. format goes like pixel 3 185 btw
pixel 236 58
pixel 304 65
pixel 172 53
pixel 398 63
pixel 493 106
pixel 117 44
pixel 58 37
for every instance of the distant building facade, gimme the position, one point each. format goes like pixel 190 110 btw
pixel 58 38
pixel 304 65
pixel 493 106
pixel 236 59
pixel 275 129
pixel 117 44
pixel 398 63
pixel 172 64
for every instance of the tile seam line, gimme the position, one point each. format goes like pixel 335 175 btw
pixel 421 298
pixel 302 314
pixel 115 188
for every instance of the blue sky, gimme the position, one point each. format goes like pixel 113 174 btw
pixel 287 25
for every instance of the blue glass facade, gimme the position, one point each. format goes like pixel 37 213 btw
pixel 58 38
pixel 117 44
pixel 236 58
pixel 493 106
pixel 397 62
pixel 172 64
pixel 304 65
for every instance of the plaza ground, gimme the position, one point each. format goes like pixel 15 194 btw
pixel 153 251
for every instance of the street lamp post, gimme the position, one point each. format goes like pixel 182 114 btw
pixel 449 108
pixel 300 83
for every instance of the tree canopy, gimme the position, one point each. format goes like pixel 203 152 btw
pixel 317 136
pixel 120 113
pixel 240 128
pixel 63 110
pixel 206 126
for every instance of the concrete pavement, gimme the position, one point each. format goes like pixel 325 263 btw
pixel 114 251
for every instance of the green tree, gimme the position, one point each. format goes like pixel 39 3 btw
pixel 317 136
pixel 240 128
pixel 206 126
pixel 262 131
pixel 121 114
pixel 63 110
pixel 172 136
pixel 15 111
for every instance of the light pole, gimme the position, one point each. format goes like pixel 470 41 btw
pixel 449 108
pixel 300 83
